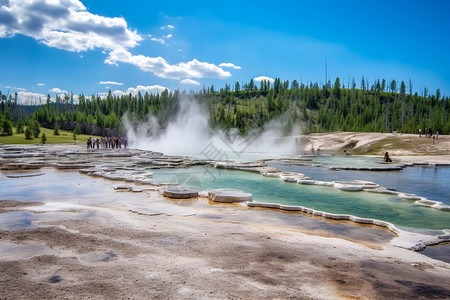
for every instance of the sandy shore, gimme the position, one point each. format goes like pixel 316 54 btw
pixel 89 244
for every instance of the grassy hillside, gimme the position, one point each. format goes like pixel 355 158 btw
pixel 64 137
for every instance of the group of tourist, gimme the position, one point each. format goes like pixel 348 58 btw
pixel 107 142
pixel 317 150
pixel 429 133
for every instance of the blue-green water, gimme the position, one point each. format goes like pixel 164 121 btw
pixel 352 161
pixel 425 181
pixel 403 213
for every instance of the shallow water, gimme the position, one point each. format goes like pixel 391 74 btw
pixel 441 252
pixel 403 213
pixel 68 194
pixel 351 161
pixel 425 181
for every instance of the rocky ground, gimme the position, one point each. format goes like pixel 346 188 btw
pixel 102 250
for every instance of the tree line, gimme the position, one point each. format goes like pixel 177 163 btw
pixel 378 107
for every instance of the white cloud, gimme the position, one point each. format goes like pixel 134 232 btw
pixel 65 24
pixel 230 65
pixel 30 98
pixel 168 26
pixel 107 61
pixel 58 91
pixel 189 81
pixel 41 84
pixel 261 78
pixel 152 89
pixel 111 82
pixel 161 68
pixel 161 41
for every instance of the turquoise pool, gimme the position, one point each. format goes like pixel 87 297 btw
pixel 403 213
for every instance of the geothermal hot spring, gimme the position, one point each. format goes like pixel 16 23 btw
pixel 415 203
pixel 419 210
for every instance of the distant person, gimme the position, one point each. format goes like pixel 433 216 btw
pixel 420 132
pixel 437 134
pixel 347 153
pixel 387 158
pixel 318 151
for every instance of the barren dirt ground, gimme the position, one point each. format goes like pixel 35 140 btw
pixel 221 252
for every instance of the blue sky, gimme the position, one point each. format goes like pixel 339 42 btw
pixel 90 47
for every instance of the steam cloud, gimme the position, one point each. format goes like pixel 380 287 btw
pixel 190 134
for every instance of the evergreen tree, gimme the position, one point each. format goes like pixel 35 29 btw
pixel 43 138
pixel 77 130
pixel 34 126
pixel 6 127
pixel 28 134
pixel 403 94
pixel 19 126
pixel 56 130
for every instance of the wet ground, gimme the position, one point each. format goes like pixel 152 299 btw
pixel 64 234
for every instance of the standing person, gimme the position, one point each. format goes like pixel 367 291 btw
pixel 420 132
pixel 437 134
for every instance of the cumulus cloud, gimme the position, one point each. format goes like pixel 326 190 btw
pixel 109 62
pixel 111 82
pixel 151 89
pixel 262 78
pixel 30 98
pixel 161 68
pixel 58 91
pixel 189 81
pixel 41 84
pixel 65 24
pixel 230 65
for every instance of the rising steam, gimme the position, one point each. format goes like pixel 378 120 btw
pixel 190 134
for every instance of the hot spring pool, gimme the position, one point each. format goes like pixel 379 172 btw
pixel 426 181
pixel 402 213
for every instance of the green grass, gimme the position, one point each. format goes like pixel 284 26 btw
pixel 64 137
